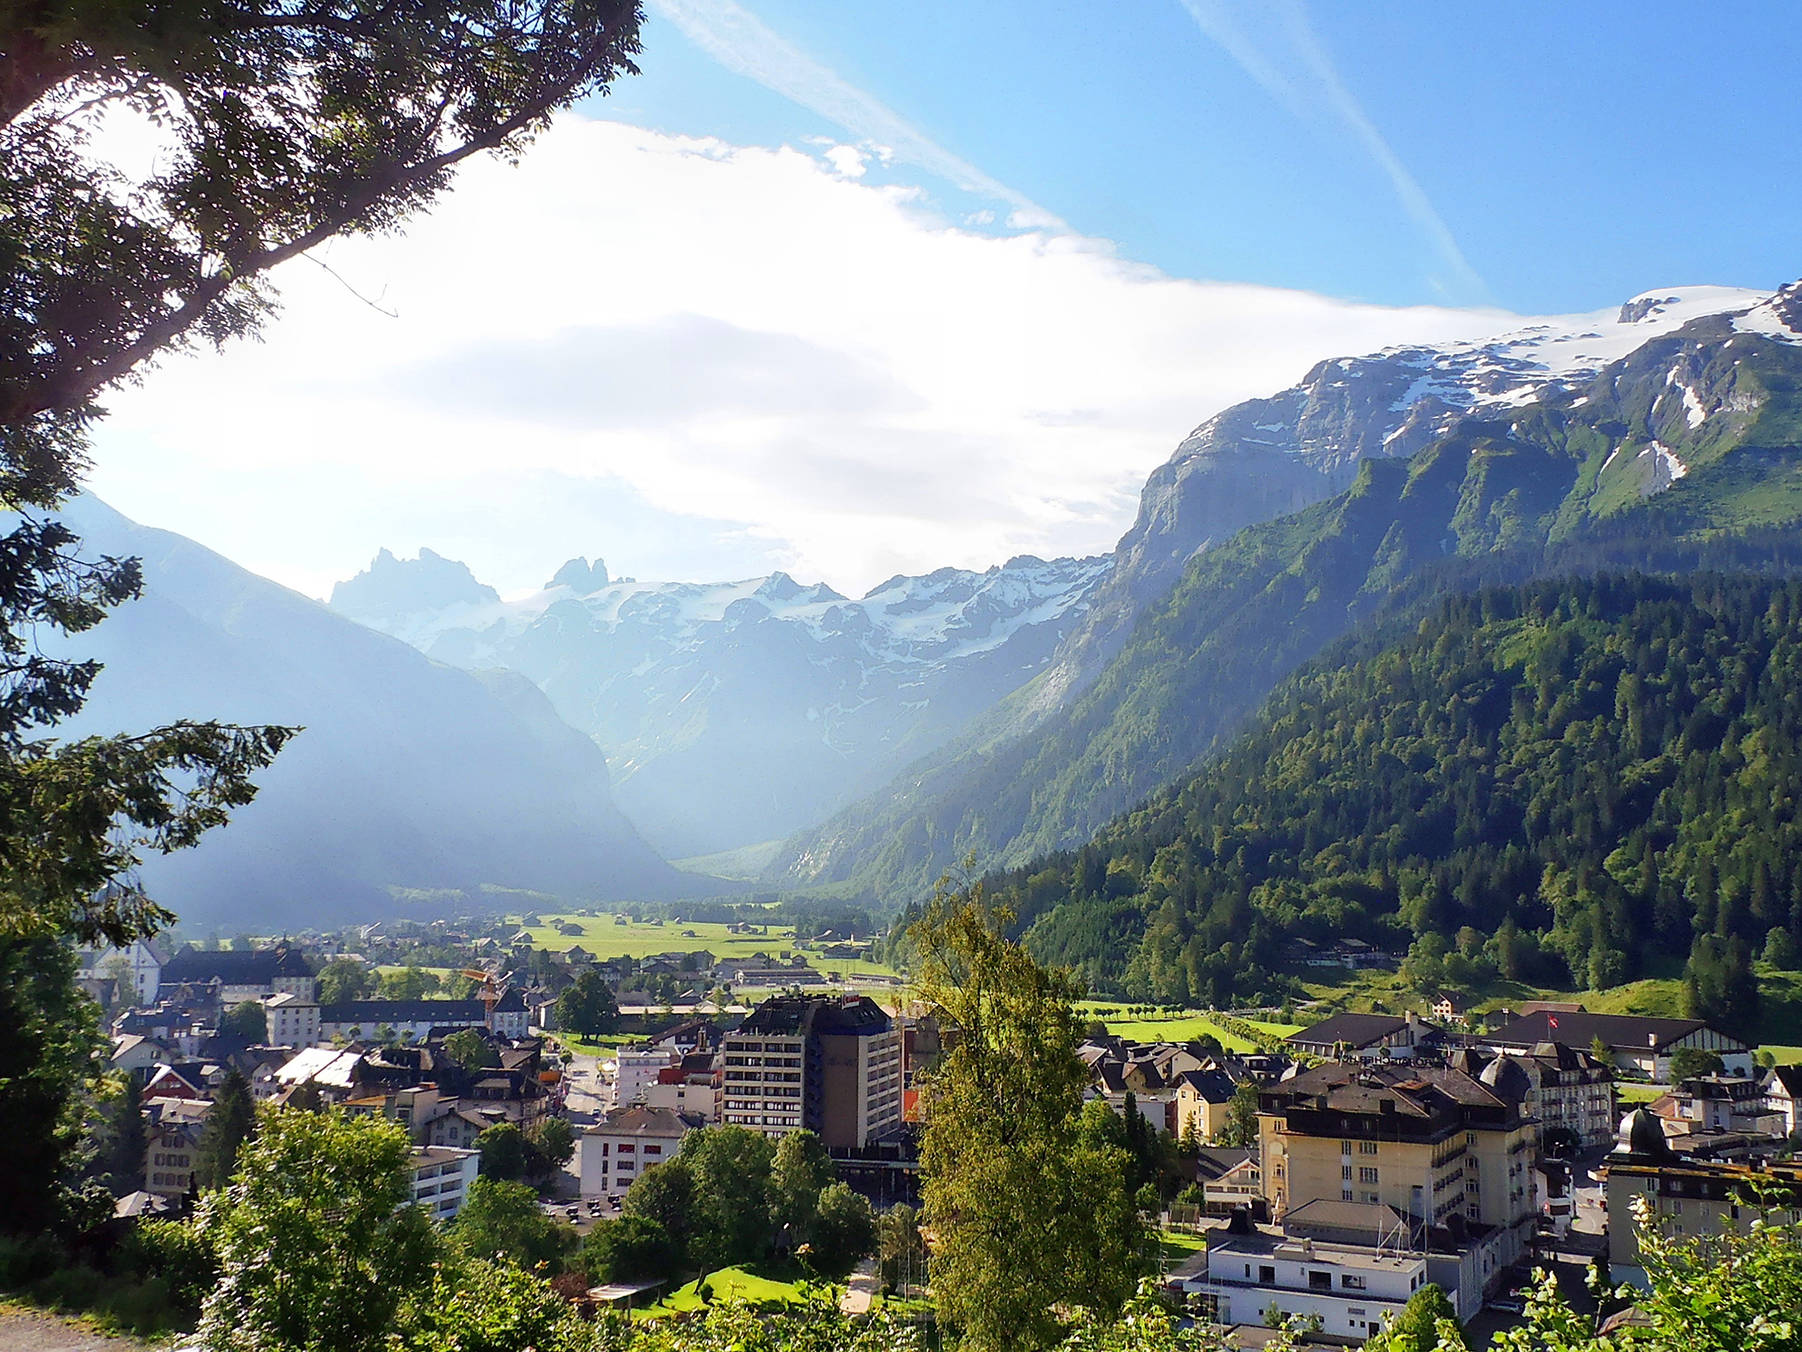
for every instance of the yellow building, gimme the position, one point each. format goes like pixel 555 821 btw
pixel 1441 1147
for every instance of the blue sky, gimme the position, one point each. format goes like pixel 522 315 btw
pixel 1575 154
pixel 853 290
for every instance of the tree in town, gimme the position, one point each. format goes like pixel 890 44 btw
pixel 47 1060
pixel 1029 1218
pixel 664 1195
pixel 800 1169
pixel 248 1020
pixel 1241 1129
pixel 631 1249
pixel 1689 1062
pixel 344 979
pixel 317 1245
pixel 229 1124
pixel 900 1247
pixel 409 983
pixel 503 1220
pixel 505 1152
pixel 729 1171
pixel 470 1049
pixel 121 1138
pixel 587 1007
pixel 553 1144
pixel 842 1232
pixel 476 1305
pixel 1426 1317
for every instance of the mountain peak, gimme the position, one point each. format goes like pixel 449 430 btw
pixel 391 588
pixel 580 576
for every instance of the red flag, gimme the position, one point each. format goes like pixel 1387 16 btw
pixel 1551 1020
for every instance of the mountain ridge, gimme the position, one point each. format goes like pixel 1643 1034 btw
pixel 1060 756
pixel 410 776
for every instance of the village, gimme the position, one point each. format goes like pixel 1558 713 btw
pixel 1322 1175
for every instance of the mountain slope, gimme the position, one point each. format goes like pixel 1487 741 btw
pixel 1692 432
pixel 410 774
pixel 1597 777
pixel 735 712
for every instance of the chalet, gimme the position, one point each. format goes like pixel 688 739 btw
pixel 1783 1096
pixel 173 1129
pixel 1202 1100
pixel 1362 1036
pixel 1638 1043
pixel 1446 1007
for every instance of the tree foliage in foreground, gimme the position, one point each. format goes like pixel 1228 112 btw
pixel 1029 1214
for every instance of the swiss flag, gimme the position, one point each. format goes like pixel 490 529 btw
pixel 1551 1020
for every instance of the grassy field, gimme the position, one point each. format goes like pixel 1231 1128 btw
pixel 759 1282
pixel 606 937
pixel 1172 1026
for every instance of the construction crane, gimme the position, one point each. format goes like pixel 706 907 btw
pixel 489 987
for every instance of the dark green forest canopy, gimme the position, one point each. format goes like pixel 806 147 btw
pixel 1591 778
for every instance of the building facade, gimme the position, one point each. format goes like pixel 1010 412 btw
pixel 826 1064
pixel 625 1143
pixel 1437 1145
pixel 440 1177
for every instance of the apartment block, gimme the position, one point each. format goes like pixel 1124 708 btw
pixel 826 1064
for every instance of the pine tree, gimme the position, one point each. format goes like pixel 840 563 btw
pixel 229 1125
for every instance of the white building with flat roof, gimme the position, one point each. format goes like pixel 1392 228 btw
pixel 1351 1289
pixel 441 1177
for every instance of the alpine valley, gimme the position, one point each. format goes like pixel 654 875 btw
pixel 785 734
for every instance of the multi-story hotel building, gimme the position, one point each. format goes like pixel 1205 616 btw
pixel 1440 1147
pixel 826 1064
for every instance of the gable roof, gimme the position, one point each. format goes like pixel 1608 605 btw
pixel 233 967
pixel 1354 1030
pixel 1622 1032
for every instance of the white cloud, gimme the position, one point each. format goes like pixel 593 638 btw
pixel 697 359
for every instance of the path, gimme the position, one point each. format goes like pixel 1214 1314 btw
pixel 861 1294
pixel 24 1330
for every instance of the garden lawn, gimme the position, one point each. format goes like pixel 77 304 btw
pixel 729 1284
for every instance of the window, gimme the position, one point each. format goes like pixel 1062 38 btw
pixel 1352 1282
pixel 1367 1147
pixel 1320 1281
pixel 1367 1175
pixel 1266 1274
pixel 1345 1172
pixel 1345 1194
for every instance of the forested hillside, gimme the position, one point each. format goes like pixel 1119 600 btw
pixel 1694 437
pixel 1573 781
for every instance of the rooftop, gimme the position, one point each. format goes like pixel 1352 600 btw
pixel 1354 1030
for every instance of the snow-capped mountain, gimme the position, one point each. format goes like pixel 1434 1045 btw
pixel 1113 710
pixel 735 712
pixel 1266 457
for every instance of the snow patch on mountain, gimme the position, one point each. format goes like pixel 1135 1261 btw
pixel 1778 317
